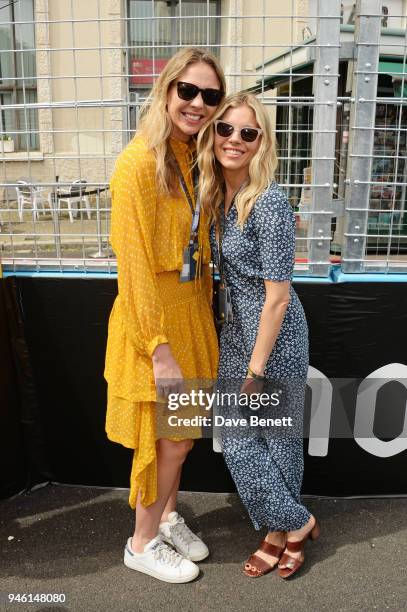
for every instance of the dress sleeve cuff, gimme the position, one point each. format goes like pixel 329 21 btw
pixel 152 345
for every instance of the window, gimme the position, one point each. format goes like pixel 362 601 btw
pixel 18 73
pixel 154 26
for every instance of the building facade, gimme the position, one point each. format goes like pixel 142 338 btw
pixel 74 74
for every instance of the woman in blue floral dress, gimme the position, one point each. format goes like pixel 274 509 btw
pixel 264 338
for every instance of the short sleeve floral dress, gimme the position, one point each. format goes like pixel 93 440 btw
pixel 267 470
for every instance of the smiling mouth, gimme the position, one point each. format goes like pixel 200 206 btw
pixel 231 152
pixel 192 117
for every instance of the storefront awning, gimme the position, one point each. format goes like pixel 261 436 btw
pixel 398 71
pixel 300 71
pixel 298 61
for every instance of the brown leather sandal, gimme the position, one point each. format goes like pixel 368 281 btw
pixel 293 564
pixel 256 566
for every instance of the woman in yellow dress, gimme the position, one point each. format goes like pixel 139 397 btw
pixel 161 330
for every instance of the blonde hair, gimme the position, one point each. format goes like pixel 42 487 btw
pixel 261 169
pixel 155 123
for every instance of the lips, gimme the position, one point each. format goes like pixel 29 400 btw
pixel 192 117
pixel 233 152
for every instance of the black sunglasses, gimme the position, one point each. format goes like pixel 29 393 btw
pixel 248 134
pixel 189 91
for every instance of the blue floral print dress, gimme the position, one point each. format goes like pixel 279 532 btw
pixel 266 468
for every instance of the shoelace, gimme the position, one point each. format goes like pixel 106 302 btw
pixel 182 530
pixel 167 555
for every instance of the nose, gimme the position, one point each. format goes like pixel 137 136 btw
pixel 235 136
pixel 197 102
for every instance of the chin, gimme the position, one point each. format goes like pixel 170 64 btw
pixel 231 164
pixel 192 129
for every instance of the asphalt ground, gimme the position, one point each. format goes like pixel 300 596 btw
pixel 69 540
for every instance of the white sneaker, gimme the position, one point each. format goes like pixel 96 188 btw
pixel 177 533
pixel 160 561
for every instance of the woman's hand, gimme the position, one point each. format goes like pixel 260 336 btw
pixel 251 386
pixel 167 373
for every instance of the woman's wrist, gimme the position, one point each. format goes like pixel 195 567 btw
pixel 162 352
pixel 255 372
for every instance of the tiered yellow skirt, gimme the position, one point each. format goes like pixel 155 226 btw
pixel 191 333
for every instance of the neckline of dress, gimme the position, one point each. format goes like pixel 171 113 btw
pixel 182 146
pixel 232 205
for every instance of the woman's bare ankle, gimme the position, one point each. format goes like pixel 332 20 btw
pixel 274 537
pixel 305 529
pixel 164 517
pixel 138 543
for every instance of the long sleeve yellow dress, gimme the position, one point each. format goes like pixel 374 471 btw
pixel 148 234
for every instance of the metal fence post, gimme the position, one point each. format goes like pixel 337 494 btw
pixel 325 81
pixel 361 137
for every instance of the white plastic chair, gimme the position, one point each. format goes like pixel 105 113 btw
pixel 74 195
pixel 34 197
pixel 5 202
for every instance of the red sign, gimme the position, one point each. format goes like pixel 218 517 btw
pixel 141 70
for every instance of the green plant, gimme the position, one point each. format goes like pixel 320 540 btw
pixel 5 137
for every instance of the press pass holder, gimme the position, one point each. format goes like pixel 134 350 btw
pixel 190 259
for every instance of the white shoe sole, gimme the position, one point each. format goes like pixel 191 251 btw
pixel 150 572
pixel 194 558
pixel 197 558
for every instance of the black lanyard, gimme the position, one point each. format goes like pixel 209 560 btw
pixel 197 209
pixel 221 234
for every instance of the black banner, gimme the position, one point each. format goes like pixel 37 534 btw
pixel 356 329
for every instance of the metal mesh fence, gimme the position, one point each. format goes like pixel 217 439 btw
pixel 333 76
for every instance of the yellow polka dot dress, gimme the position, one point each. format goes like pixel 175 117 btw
pixel 148 234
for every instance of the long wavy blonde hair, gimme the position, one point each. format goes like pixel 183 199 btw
pixel 155 123
pixel 261 169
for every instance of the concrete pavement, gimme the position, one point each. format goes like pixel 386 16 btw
pixel 69 540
